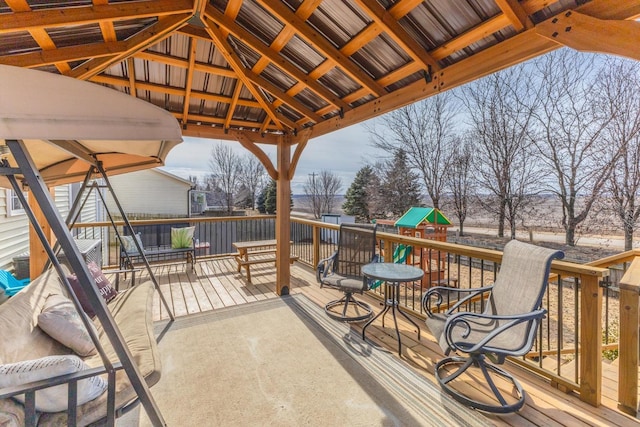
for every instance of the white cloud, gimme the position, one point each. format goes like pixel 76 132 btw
pixel 342 152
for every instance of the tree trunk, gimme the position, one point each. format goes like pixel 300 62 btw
pixel 501 220
pixel 570 235
pixel 628 238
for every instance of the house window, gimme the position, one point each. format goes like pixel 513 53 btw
pixel 14 207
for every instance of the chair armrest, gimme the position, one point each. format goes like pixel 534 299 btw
pixel 465 320
pixel 324 266
pixel 436 293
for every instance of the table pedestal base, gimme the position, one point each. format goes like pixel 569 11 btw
pixel 391 290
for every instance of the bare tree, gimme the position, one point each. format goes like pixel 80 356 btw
pixel 618 95
pixel 224 164
pixel 424 131
pixel 571 135
pixel 321 190
pixel 500 111
pixel 252 176
pixel 460 180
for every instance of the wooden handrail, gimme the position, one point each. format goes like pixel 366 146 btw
pixel 628 354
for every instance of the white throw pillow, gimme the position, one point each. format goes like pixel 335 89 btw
pixel 62 322
pixel 53 399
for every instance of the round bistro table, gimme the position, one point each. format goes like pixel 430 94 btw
pixel 392 275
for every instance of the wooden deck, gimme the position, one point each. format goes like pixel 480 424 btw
pixel 215 283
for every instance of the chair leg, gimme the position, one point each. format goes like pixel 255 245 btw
pixel 479 361
pixel 346 301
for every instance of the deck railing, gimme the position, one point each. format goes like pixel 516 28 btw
pixel 582 302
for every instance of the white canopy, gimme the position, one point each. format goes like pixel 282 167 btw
pixel 68 125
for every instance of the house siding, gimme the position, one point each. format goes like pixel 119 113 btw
pixel 150 193
pixel 14 229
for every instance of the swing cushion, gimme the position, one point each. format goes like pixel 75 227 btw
pixel 23 340
pixel 53 399
pixel 62 322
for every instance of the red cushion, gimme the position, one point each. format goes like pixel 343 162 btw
pixel 107 291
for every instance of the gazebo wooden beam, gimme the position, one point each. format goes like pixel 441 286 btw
pixel 52 18
pixel 516 14
pixel 519 48
pixel 140 41
pixel 398 34
pixel 249 142
pixel 588 34
pixel 273 57
pixel 283 13
pixel 220 39
pixel 106 27
pixel 204 131
pixel 193 45
pixel 64 54
pixel 471 36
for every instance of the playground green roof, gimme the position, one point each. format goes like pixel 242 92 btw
pixel 417 215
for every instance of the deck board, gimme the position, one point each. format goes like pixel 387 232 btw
pixel 216 283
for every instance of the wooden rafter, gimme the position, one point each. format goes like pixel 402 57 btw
pixel 471 36
pixel 516 14
pixel 106 27
pixel 168 90
pixel 403 7
pixel 236 63
pixel 133 90
pixel 175 61
pixel 271 56
pixel 82 15
pixel 233 103
pixel 140 41
pixel 189 79
pixel 217 132
pixel 397 33
pixel 40 36
pixel 64 54
pixel 284 14
pixel 588 34
pixel 519 48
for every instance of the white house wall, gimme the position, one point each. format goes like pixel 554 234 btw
pixel 150 192
pixel 14 229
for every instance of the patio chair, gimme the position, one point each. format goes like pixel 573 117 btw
pixel 10 284
pixel 506 327
pixel 342 271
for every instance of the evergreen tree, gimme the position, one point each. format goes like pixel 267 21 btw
pixel 270 198
pixel 400 187
pixel 356 199
pixel 266 200
pixel 260 202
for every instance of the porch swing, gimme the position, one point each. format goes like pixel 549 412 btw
pixel 54 131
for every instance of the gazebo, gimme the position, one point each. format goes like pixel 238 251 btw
pixel 284 73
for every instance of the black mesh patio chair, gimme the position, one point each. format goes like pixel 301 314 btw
pixel 342 270
pixel 506 327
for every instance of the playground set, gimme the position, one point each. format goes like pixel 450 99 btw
pixel 424 223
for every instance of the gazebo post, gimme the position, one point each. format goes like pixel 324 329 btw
pixel 37 255
pixel 283 216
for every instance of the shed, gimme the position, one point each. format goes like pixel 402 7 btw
pixel 424 222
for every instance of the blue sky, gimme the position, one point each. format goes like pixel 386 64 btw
pixel 343 152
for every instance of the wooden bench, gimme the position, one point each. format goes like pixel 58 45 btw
pixel 159 253
pixel 246 250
